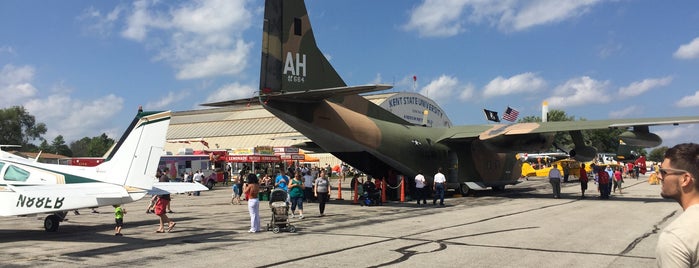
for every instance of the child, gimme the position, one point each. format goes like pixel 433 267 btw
pixel 119 218
pixel 235 196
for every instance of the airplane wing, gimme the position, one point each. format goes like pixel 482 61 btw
pixel 34 199
pixel 176 188
pixel 485 132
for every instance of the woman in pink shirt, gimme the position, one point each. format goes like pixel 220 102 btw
pixel 618 180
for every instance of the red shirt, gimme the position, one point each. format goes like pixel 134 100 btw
pixel 583 175
pixel 617 175
pixel 603 177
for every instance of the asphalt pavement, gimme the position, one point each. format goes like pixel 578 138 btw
pixel 522 226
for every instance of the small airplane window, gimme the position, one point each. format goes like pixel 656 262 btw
pixel 16 174
pixel 297 26
pixel 2 164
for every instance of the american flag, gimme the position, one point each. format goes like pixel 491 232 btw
pixel 510 114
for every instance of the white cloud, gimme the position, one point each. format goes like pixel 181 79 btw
pixel 16 84
pixel 232 91
pixel 521 83
pixel 377 80
pixel 216 63
pixel 141 18
pixel 204 36
pixel 172 97
pixel 100 24
pixel 688 51
pixel 7 49
pixel 74 118
pixel 638 88
pixel 673 135
pixel 407 84
pixel 579 91
pixel 689 101
pixel 440 89
pixel 542 12
pixel 626 112
pixel 440 18
pixel 467 92
pixel 437 18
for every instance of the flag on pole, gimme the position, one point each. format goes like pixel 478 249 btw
pixel 491 115
pixel 510 114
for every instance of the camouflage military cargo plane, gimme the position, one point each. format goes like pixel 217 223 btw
pixel 299 86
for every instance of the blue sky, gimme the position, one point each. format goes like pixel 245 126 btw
pixel 84 67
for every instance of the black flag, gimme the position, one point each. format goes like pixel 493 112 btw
pixel 491 115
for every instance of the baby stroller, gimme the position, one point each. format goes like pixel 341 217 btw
pixel 368 195
pixel 280 212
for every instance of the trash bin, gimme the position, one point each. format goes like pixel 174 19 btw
pixel 263 196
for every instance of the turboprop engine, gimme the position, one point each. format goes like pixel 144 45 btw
pixel 641 139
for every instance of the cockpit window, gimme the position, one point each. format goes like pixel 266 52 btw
pixel 16 174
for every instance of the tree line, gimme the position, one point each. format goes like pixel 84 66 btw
pixel 604 140
pixel 18 127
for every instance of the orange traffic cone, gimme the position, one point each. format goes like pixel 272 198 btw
pixel 339 190
pixel 402 188
pixel 355 199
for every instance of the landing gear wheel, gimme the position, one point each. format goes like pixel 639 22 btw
pixel 210 185
pixel 292 229
pixel 275 229
pixel 464 190
pixel 51 223
pixel 499 188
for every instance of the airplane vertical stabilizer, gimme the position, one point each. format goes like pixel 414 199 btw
pixel 291 61
pixel 294 69
pixel 134 159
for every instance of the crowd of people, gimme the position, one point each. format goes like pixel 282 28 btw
pixel 304 185
pixel 608 178
pixel 678 243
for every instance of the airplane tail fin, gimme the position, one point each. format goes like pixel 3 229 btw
pixel 294 70
pixel 134 158
pixel 291 60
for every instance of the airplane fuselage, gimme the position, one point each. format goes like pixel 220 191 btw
pixel 381 148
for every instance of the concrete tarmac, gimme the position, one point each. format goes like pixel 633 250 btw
pixel 522 226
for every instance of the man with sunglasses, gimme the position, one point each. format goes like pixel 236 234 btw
pixel 678 243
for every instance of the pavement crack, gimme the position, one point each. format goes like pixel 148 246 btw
pixel 654 230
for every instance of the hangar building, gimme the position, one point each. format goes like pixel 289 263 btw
pixel 250 125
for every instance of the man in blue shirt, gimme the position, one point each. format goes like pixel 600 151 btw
pixel 282 181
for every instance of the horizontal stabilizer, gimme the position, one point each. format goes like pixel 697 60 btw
pixel 308 95
pixel 176 188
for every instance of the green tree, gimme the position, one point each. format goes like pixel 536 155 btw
pixel 59 146
pixel 92 147
pixel 657 154
pixel 80 147
pixel 18 127
pixel 562 139
pixel 100 145
pixel 45 146
pixel 604 140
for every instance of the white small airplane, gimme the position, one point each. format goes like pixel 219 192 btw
pixel 28 187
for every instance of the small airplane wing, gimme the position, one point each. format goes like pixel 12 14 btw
pixel 34 199
pixel 176 188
